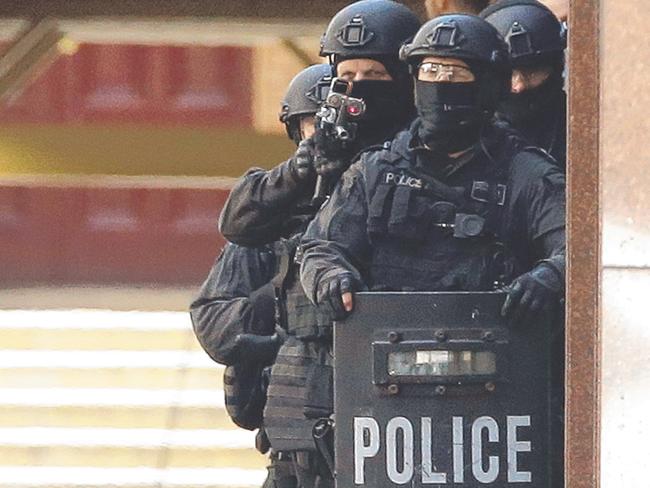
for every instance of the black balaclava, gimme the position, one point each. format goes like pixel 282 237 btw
pixel 389 103
pixel 450 115
pixel 535 105
pixel 293 127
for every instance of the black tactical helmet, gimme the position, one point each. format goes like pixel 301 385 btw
pixel 306 92
pixel 533 33
pixel 368 29
pixel 471 39
pixel 461 36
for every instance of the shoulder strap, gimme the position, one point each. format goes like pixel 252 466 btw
pixel 538 151
pixel 286 253
pixel 441 190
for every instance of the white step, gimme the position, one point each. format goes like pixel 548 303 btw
pixel 131 457
pixel 105 359
pixel 112 397
pixel 62 320
pixel 136 438
pixel 90 339
pixel 96 330
pixel 88 477
pixel 147 378
pixel 168 416
pixel 129 447
pixel 97 398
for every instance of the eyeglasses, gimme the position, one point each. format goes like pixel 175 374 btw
pixel 447 73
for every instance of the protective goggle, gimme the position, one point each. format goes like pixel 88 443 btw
pixel 444 73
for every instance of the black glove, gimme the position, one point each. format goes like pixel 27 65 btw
pixel 302 163
pixel 259 349
pixel 332 155
pixel 330 291
pixel 533 294
pixel 262 302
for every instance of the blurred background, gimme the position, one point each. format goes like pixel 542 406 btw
pixel 126 122
pixel 122 127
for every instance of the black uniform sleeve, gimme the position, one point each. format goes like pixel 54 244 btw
pixel 260 203
pixel 538 207
pixel 236 298
pixel 336 241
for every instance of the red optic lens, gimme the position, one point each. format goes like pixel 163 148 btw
pixel 353 110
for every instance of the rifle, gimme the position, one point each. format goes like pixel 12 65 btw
pixel 337 119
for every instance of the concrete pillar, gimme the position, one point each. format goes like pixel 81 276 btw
pixel 625 183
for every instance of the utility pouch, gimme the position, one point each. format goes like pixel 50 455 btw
pixel 400 220
pixel 412 215
pixel 306 321
pixel 245 394
pixel 319 396
pixel 282 473
pixel 262 443
pixel 379 209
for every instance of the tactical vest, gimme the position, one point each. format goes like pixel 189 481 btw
pixel 296 314
pixel 433 235
pixel 300 390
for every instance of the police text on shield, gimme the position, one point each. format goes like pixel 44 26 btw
pixel 367 443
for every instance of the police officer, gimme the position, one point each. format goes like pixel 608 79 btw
pixel 263 203
pixel 234 314
pixel 536 104
pixel 456 202
pixel 361 43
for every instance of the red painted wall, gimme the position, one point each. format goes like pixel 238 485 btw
pixel 193 85
pixel 52 234
pixel 68 235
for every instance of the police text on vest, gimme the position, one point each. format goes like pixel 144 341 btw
pixel 403 180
